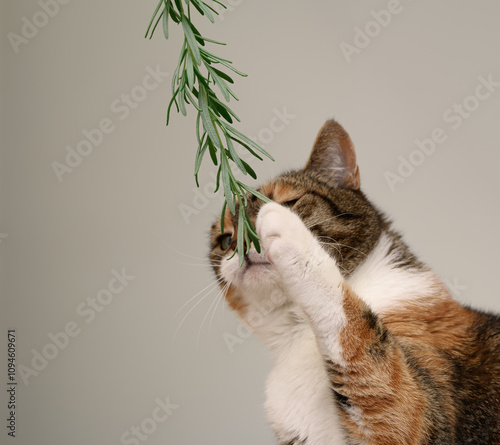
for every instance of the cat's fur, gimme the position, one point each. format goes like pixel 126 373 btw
pixel 368 344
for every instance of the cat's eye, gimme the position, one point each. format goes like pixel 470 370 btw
pixel 225 241
pixel 290 204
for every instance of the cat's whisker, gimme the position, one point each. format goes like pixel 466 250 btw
pixel 214 302
pixel 212 284
pixel 222 296
pixel 342 245
pixel 194 306
pixel 205 317
pixel 324 243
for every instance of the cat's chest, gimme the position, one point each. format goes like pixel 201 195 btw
pixel 300 403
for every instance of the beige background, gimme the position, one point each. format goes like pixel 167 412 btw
pixel 121 206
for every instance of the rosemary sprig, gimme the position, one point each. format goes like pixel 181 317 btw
pixel 197 74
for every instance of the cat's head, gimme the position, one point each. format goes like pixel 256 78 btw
pixel 326 195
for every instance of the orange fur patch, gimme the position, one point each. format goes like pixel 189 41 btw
pixel 284 192
pixel 235 300
pixel 385 404
pixel 267 190
pixel 438 322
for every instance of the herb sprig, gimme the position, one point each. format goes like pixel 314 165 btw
pixel 198 71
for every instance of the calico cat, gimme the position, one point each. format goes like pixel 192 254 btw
pixel 369 346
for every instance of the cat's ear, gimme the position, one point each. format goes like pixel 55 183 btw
pixel 333 157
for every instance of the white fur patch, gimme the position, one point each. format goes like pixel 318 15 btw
pixel 382 285
pixel 299 398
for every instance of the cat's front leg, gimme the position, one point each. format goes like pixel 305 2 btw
pixel 378 392
pixel 308 275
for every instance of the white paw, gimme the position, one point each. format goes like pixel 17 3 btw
pixel 288 244
pixel 307 272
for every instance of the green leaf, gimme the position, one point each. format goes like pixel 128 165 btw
pixel 171 103
pixel 202 148
pixel 216 42
pixel 247 147
pixel 237 190
pixel 222 217
pixel 223 112
pixel 234 155
pixel 227 64
pixel 206 118
pixel 210 8
pixel 174 15
pixel 254 237
pixel 226 184
pixel 225 90
pixel 254 192
pixel 178 3
pixel 223 75
pixel 156 24
pixel 198 137
pixel 213 151
pixel 198 7
pixel 189 73
pixel 175 76
pixel 219 3
pixel 251 228
pixel 240 238
pixel 215 59
pixel 193 45
pixel 247 239
pixel 248 141
pixel 192 99
pixel 165 19
pixel 217 179
pixel 199 39
pixel 249 169
pixel 197 34
pixel 182 104
pixel 196 94
pixel 153 18
pixel 223 105
pixel 195 30
pixel 222 86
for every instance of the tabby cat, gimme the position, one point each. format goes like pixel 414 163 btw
pixel 369 346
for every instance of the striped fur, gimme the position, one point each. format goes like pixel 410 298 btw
pixel 368 344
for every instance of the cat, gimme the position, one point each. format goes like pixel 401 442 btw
pixel 369 347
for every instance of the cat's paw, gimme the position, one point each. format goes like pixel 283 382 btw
pixel 286 241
